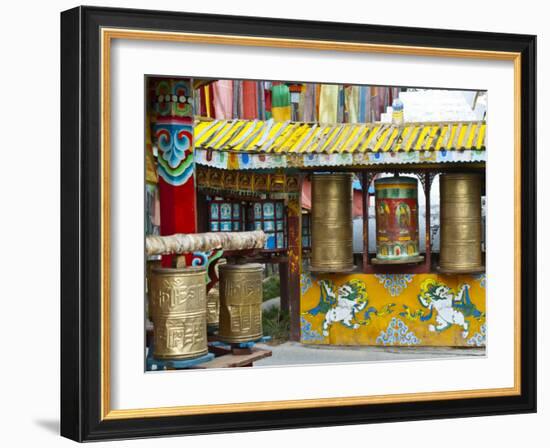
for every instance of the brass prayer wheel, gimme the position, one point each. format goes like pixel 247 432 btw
pixel 240 302
pixel 213 308
pixel 331 222
pixel 213 302
pixel 150 265
pixel 178 308
pixel 396 220
pixel 460 247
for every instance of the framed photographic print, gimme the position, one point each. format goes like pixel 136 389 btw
pixel 276 224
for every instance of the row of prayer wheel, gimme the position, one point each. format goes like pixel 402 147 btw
pixel 397 234
pixel 181 312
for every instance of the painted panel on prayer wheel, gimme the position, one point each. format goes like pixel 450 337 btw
pixel 396 218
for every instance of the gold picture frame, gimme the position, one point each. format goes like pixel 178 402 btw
pixel 108 26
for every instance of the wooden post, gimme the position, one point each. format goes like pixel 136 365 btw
pixel 295 260
pixel 365 190
pixel 284 286
pixel 172 129
pixel 427 187
pixel 202 213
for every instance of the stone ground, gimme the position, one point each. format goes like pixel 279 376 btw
pixel 292 353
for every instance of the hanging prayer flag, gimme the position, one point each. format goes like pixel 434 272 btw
pixel 280 102
pixel 223 99
pixel 328 103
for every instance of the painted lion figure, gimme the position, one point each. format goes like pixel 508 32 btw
pixel 450 308
pixel 344 304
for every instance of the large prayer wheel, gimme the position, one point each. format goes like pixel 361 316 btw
pixel 241 296
pixel 396 220
pixel 178 308
pixel 331 222
pixel 213 302
pixel 460 246
pixel 213 309
pixel 150 265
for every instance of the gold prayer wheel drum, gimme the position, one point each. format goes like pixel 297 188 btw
pixel 178 308
pixel 150 265
pixel 213 308
pixel 331 222
pixel 213 301
pixel 240 302
pixel 460 247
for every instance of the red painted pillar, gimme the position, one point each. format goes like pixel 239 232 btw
pixel 172 130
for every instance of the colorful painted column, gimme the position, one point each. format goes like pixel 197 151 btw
pixel 172 128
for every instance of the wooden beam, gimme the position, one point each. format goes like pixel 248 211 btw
pixel 203 242
pixel 228 361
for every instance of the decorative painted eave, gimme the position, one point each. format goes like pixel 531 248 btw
pixel 255 144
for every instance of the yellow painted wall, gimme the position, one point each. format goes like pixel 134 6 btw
pixel 392 312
